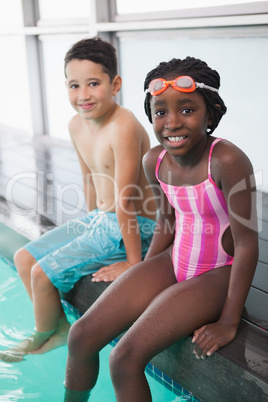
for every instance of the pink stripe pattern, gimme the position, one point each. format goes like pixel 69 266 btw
pixel 201 220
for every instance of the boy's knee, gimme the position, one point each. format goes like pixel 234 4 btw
pixel 19 256
pixel 38 276
pixel 23 260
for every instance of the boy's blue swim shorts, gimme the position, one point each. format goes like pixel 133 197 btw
pixel 83 246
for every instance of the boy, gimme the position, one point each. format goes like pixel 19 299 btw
pixel 117 231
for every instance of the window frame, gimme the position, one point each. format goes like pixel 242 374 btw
pixel 251 8
pixel 246 19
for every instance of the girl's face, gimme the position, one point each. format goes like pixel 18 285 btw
pixel 180 120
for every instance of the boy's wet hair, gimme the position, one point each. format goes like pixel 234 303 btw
pixel 200 72
pixel 96 50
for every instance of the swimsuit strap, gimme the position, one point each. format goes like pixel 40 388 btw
pixel 209 158
pixel 159 160
pixel 162 154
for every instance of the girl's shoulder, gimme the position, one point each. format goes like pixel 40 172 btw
pixel 151 157
pixel 229 161
pixel 227 152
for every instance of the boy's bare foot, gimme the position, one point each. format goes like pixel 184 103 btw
pixel 59 338
pixel 17 353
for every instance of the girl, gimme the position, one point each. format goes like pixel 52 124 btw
pixel 200 265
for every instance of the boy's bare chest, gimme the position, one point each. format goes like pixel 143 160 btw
pixel 97 154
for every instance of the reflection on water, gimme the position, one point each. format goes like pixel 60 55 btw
pixel 40 377
pixel 37 378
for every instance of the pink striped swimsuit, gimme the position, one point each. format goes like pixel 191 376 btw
pixel 201 220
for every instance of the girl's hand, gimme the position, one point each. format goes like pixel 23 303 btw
pixel 110 273
pixel 209 338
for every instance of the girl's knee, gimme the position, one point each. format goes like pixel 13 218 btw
pixel 82 341
pixel 124 361
pixel 74 338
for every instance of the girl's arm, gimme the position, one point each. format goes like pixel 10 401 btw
pixel 165 224
pixel 236 178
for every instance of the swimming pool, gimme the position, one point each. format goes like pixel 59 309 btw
pixel 40 377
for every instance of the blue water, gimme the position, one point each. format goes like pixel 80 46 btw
pixel 40 377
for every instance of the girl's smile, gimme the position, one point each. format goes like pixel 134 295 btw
pixel 175 141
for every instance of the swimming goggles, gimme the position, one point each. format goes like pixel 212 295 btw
pixel 183 83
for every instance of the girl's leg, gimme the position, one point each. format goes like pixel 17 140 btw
pixel 175 313
pixel 115 310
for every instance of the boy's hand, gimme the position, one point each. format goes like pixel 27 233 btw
pixel 111 272
pixel 209 338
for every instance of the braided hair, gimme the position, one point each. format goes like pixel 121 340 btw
pixel 200 72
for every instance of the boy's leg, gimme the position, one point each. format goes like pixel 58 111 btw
pixel 46 301
pixel 26 257
pixel 60 269
pixel 49 319
pixel 16 353
pixel 115 310
pixel 24 262
pixel 51 323
pixel 48 312
pixel 175 313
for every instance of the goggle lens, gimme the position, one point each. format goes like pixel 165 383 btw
pixel 157 86
pixel 183 84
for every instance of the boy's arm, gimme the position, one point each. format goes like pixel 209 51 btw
pixel 165 225
pixel 127 147
pixel 238 185
pixel 88 185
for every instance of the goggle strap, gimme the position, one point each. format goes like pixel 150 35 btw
pixel 202 85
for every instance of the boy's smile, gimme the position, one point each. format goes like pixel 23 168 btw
pixel 91 93
pixel 86 106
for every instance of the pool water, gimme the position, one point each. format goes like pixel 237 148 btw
pixel 40 377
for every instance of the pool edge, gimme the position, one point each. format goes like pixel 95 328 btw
pixel 10 241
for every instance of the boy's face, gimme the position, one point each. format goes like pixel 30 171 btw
pixel 90 91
